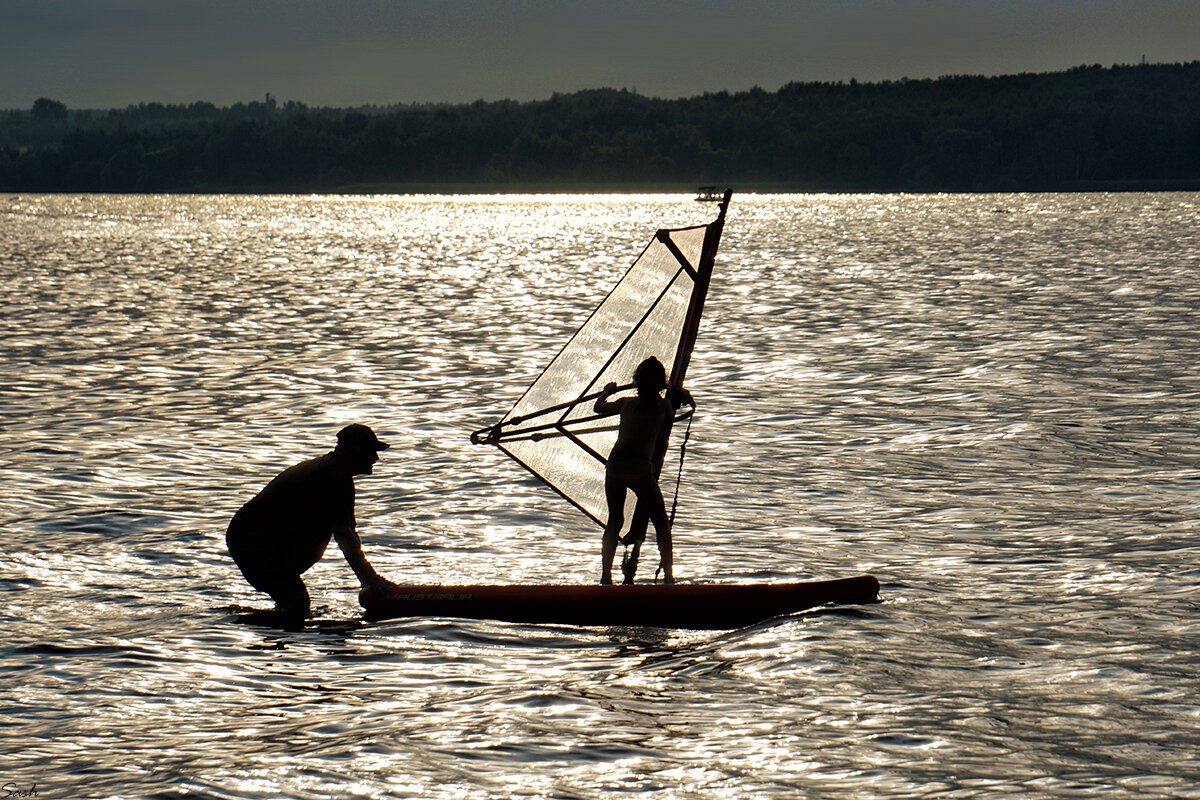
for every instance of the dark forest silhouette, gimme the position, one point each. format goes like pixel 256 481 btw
pixel 1090 127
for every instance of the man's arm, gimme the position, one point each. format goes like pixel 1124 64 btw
pixel 351 545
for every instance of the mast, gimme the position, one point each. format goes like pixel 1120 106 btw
pixel 691 329
pixel 691 324
pixel 683 356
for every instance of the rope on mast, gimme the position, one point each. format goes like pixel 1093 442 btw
pixel 687 433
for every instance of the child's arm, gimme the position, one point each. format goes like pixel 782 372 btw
pixel 604 405
pixel 680 397
pixel 660 447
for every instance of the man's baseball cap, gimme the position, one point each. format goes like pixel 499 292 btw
pixel 360 437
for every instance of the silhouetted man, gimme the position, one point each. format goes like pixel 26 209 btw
pixel 280 533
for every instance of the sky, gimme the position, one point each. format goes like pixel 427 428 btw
pixel 342 53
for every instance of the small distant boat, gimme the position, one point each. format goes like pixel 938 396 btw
pixel 689 606
pixel 709 194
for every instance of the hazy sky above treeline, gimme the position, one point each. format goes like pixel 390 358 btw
pixel 113 53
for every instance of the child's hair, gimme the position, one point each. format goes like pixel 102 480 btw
pixel 650 374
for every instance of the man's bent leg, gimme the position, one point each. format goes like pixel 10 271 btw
pixel 262 567
pixel 292 604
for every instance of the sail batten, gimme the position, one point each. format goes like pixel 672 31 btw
pixel 552 430
pixel 675 251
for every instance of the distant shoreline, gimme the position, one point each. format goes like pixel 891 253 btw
pixel 1074 187
pixel 452 189
pixel 1124 128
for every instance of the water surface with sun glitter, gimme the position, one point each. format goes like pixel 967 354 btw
pixel 988 401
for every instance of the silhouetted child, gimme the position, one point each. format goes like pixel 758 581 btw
pixel 632 464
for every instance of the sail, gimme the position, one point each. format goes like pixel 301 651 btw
pixel 654 310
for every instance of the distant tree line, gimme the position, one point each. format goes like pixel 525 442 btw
pixel 1089 127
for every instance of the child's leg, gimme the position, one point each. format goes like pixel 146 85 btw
pixel 614 493
pixel 649 494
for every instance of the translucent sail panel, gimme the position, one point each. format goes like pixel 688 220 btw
pixel 643 316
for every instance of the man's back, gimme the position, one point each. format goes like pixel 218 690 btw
pixel 306 501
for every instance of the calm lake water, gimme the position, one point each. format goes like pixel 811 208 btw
pixel 988 401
